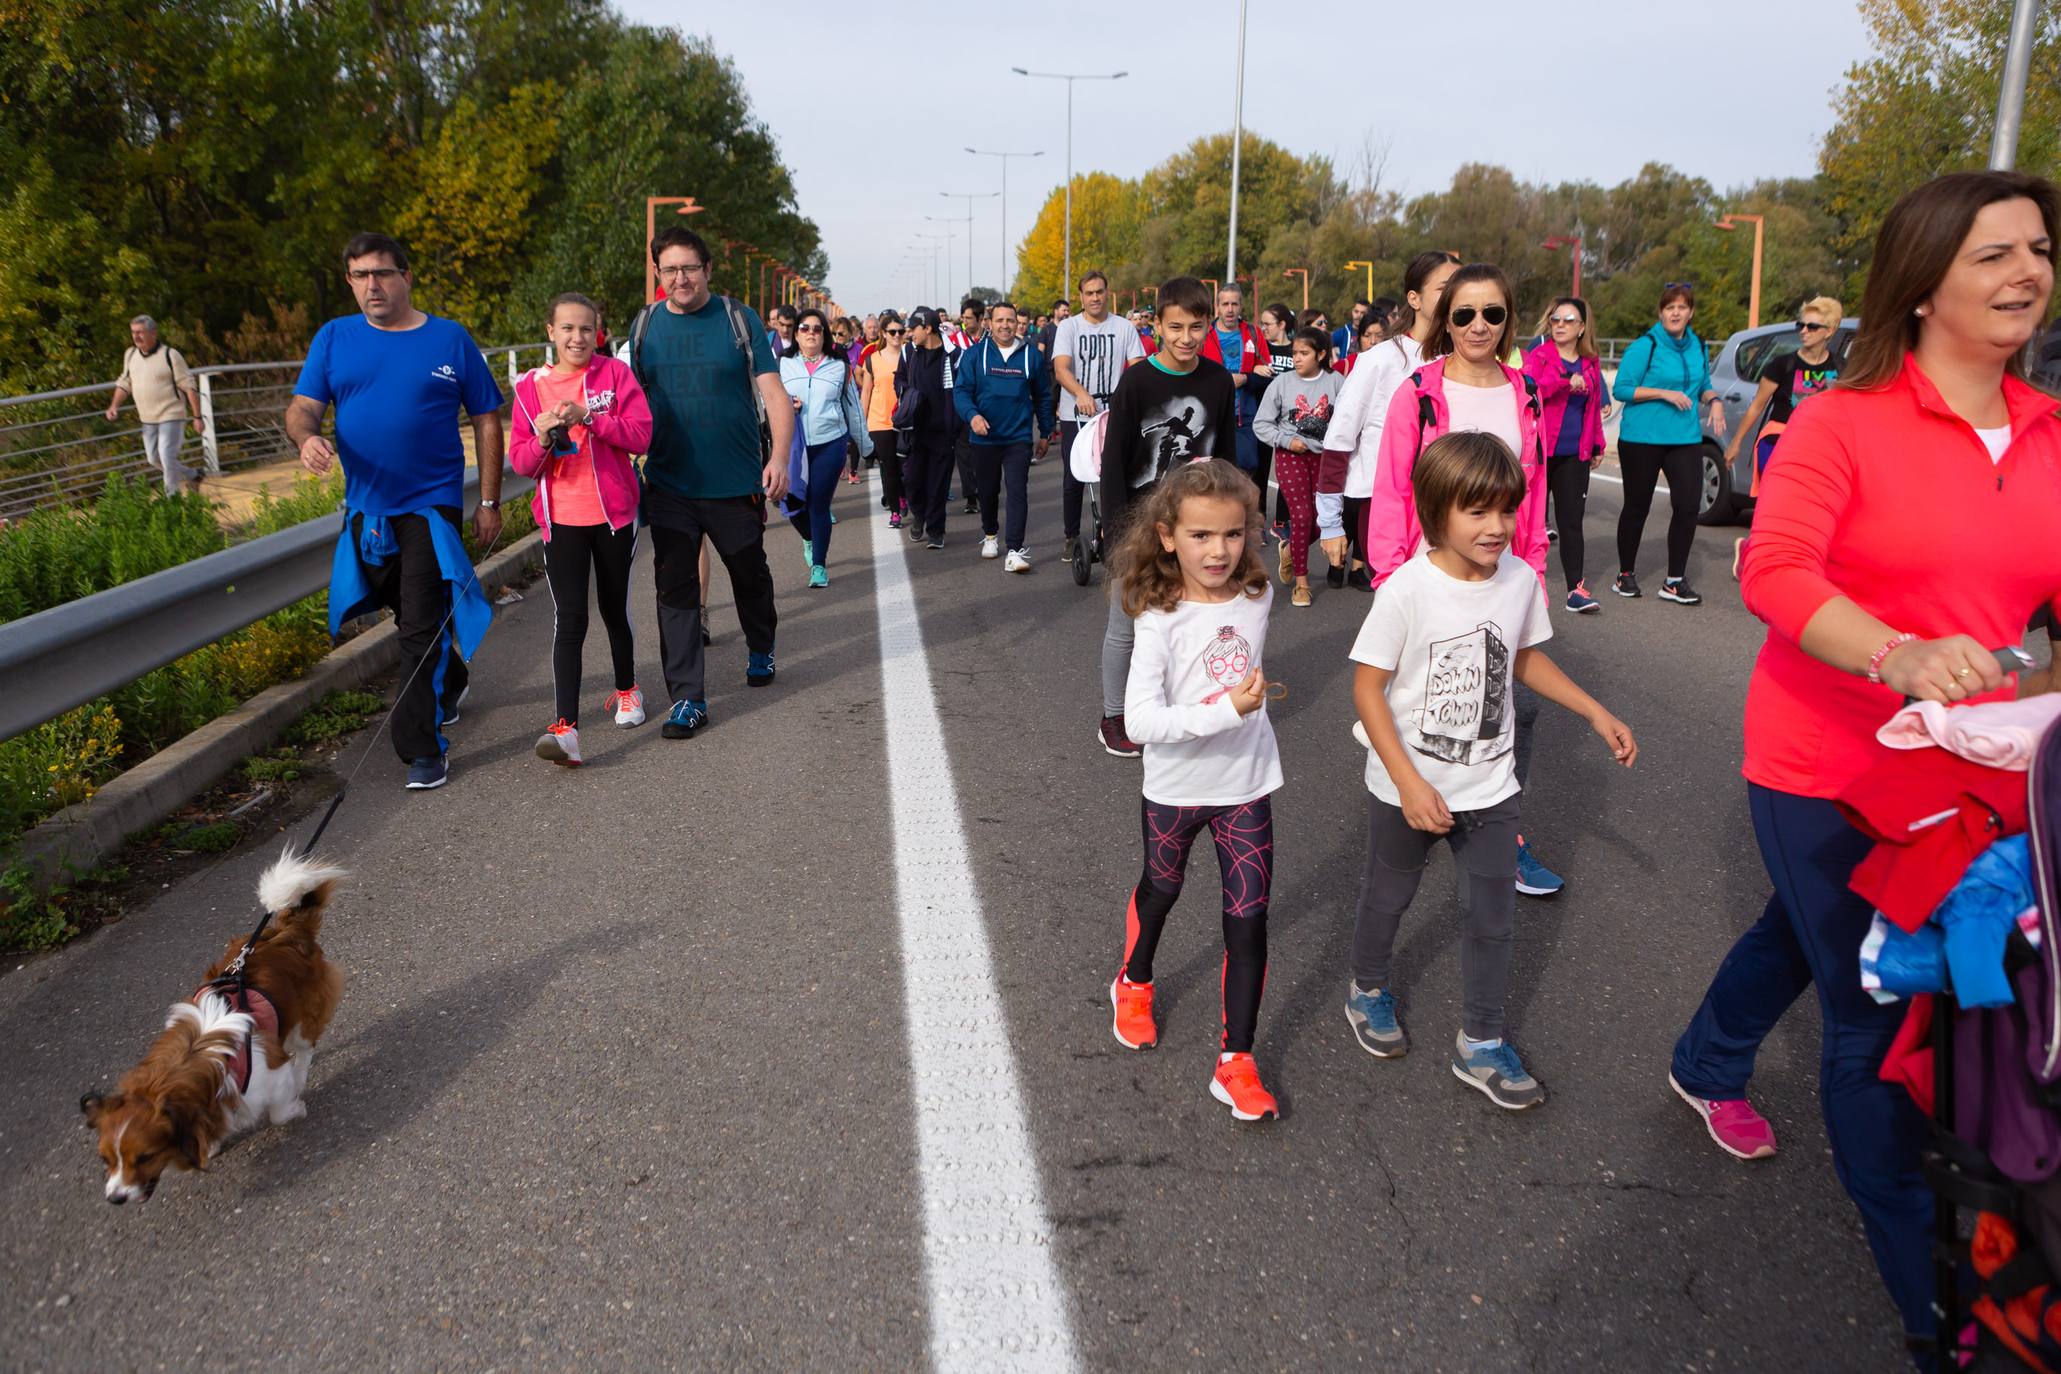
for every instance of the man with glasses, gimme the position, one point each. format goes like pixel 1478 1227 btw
pixel 398 379
pixel 781 336
pixel 708 370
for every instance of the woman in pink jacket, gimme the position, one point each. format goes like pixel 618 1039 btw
pixel 1574 403
pixel 576 423
pixel 1467 387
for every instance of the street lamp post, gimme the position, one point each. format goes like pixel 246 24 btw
pixel 950 221
pixel 1069 78
pixel 1759 226
pixel 1237 138
pixel 969 197
pixel 986 152
pixel 1573 243
pixel 1304 272
pixel 940 281
pixel 1370 275
pixel 2003 139
pixel 651 204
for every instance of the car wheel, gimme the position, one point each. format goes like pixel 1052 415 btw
pixel 1716 503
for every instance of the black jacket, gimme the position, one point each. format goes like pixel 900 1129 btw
pixel 929 373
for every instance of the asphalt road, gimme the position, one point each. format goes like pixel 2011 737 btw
pixel 620 1078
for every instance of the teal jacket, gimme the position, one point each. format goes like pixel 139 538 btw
pixel 1655 359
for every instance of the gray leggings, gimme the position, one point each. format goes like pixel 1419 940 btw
pixel 1117 638
pixel 1484 845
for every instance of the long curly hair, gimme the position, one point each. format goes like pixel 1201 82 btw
pixel 1146 576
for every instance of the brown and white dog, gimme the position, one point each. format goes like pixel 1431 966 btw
pixel 217 1070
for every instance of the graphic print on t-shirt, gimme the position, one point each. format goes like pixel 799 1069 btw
pixel 1226 661
pixel 1465 718
pixel 1312 418
pixel 1174 433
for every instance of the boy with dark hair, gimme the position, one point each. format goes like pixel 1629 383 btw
pixel 1177 407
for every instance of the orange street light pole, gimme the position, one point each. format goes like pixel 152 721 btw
pixel 651 204
pixel 1305 274
pixel 1370 275
pixel 1759 227
pixel 1573 243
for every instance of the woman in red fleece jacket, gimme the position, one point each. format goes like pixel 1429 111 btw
pixel 1913 524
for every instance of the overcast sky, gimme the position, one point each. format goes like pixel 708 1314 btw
pixel 1729 93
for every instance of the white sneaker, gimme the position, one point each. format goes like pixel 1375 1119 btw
pixel 560 744
pixel 991 546
pixel 1018 561
pixel 628 706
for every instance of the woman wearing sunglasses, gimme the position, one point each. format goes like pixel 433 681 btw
pixel 1573 406
pixel 877 398
pixel 1664 376
pixel 1789 380
pixel 828 418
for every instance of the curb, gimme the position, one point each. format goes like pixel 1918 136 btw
pixel 78 837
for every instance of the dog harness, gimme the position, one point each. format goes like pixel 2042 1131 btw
pixel 264 1019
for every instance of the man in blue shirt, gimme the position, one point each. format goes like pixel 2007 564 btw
pixel 398 379
pixel 709 373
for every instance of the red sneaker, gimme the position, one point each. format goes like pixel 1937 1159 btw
pixel 1133 1022
pixel 1237 1086
pixel 1110 733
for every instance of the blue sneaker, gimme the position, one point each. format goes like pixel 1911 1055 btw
pixel 684 719
pixel 1498 1073
pixel 1534 879
pixel 427 774
pixel 758 670
pixel 1579 601
pixel 1373 1017
pixel 819 576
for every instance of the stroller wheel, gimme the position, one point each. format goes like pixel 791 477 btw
pixel 1082 563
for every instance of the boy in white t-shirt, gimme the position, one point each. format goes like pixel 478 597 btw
pixel 1449 633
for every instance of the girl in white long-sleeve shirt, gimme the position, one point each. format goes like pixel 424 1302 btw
pixel 1188 570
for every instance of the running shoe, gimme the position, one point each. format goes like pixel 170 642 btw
pixel 972 507
pixel 685 718
pixel 1375 1023
pixel 819 576
pixel 560 743
pixel 1579 601
pixel 1497 1073
pixel 451 714
pixel 1359 579
pixel 915 531
pixel 1678 590
pixel 1132 1022
pixel 1073 541
pixel 853 478
pixel 1237 1086
pixel 427 774
pixel 1018 561
pixel 991 546
pixel 808 554
pixel 1626 585
pixel 1738 552
pixel 1534 879
pixel 936 541
pixel 894 519
pixel 627 705
pixel 1738 1129
pixel 1299 597
pixel 1334 577
pixel 1114 740
pixel 1552 535
pixel 758 669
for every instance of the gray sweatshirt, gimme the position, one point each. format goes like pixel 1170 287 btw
pixel 1297 408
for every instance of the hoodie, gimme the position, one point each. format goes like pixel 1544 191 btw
pixel 619 425
pixel 932 374
pixel 1543 365
pixel 1011 393
pixel 1393 536
pixel 829 401
pixel 1657 359
pixel 1251 353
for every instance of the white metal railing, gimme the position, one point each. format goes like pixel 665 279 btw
pixel 52 453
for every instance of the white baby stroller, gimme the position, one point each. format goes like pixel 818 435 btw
pixel 1084 462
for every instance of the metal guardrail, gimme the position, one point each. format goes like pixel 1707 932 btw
pixel 54 454
pixel 69 655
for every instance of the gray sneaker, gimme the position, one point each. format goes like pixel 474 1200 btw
pixel 1497 1073
pixel 1373 1017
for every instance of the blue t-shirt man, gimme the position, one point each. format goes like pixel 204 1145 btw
pixel 704 418
pixel 397 395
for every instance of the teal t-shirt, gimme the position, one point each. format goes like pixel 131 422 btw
pixel 704 422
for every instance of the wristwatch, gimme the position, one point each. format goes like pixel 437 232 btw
pixel 485 504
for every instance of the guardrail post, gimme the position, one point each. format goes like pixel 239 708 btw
pixel 208 441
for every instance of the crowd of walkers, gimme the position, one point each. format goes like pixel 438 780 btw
pixel 1431 452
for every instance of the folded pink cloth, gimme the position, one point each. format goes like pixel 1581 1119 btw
pixel 1996 734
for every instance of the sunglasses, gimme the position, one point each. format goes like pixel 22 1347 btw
pixel 810 329
pixel 1810 327
pixel 1491 315
pixel 892 330
pixel 1565 319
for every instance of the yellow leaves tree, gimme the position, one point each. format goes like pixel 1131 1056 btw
pixel 1105 236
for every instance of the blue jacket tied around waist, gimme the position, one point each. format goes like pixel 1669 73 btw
pixel 351 593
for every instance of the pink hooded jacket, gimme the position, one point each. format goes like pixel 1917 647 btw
pixel 1543 366
pixel 620 426
pixel 1393 536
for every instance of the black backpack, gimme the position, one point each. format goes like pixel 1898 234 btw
pixel 740 331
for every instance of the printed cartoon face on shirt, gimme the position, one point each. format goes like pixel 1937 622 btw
pixel 1226 661
pixel 1466 718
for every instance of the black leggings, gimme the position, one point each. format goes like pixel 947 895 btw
pixel 887 448
pixel 1355 509
pixel 1567 478
pixel 1244 837
pixel 1642 465
pixel 568 555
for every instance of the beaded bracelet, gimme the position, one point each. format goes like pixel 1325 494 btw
pixel 1875 663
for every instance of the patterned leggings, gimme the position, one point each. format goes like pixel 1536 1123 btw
pixel 1244 837
pixel 1297 474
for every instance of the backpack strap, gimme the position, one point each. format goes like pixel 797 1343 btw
pixel 638 326
pixel 1427 415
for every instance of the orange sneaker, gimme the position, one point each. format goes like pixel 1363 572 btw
pixel 1237 1086
pixel 1133 1022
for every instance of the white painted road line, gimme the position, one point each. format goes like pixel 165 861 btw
pixel 995 1295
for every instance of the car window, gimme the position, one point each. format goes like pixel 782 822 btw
pixel 1756 354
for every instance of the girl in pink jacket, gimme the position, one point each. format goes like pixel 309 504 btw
pixel 1573 403
pixel 576 423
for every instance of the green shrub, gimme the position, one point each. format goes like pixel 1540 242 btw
pixel 60 553
pixel 306 498
pixel 333 717
pixel 31 920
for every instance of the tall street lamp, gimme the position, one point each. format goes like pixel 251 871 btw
pixel 1370 275
pixel 651 204
pixel 1003 281
pixel 969 197
pixel 940 280
pixel 950 221
pixel 1304 272
pixel 1573 243
pixel 1069 78
pixel 1759 227
pixel 1237 138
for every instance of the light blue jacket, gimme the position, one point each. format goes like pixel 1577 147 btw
pixel 829 401
pixel 1658 360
